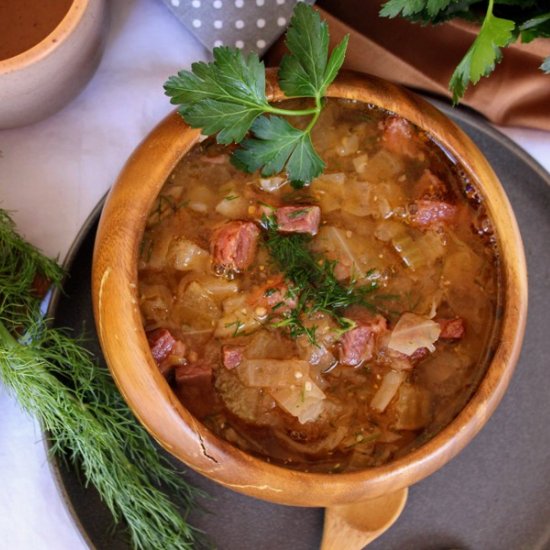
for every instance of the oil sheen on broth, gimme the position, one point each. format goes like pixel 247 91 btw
pixel 355 387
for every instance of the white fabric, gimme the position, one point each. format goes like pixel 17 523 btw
pixel 51 176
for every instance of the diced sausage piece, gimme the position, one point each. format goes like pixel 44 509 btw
pixel 196 373
pixel 166 350
pixel 232 356
pixel 40 285
pixel 274 296
pixel 451 329
pixel 357 345
pixel 298 219
pixel 429 186
pixel 194 387
pixel 234 244
pixel 279 298
pixel 426 213
pixel 419 355
pixel 174 358
pixel 400 137
pixel 161 343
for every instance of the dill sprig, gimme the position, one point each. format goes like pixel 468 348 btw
pixel 20 265
pixel 313 281
pixel 55 379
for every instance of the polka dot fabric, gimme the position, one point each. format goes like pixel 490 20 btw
pixel 251 25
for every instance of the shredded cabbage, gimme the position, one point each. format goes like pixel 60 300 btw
pixel 413 332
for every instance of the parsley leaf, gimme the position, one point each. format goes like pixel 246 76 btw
pixel 502 21
pixel 484 53
pixel 393 8
pixel 277 143
pixel 227 97
pixel 224 96
pixel 308 71
pixel 535 28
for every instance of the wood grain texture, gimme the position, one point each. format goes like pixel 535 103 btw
pixel 354 526
pixel 126 350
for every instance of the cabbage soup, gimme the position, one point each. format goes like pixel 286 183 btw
pixel 331 327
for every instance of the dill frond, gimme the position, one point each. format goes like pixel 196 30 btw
pixel 312 279
pixel 55 379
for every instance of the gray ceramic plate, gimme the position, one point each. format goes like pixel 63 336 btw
pixel 493 496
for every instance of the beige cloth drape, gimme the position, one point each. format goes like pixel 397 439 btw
pixel 516 94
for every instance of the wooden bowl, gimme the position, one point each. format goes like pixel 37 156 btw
pixel 39 81
pixel 127 352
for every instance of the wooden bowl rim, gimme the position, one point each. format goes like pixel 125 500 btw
pixel 223 462
pixel 50 42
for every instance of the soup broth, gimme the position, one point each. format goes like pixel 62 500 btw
pixel 25 23
pixel 329 328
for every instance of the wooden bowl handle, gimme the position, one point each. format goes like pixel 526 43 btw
pixel 353 526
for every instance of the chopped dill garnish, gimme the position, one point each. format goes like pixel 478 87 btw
pixel 312 280
pixel 237 324
pixel 297 214
pixel 231 197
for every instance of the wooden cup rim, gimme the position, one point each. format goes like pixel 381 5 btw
pixel 127 353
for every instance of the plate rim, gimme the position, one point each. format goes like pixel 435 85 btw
pixel 458 114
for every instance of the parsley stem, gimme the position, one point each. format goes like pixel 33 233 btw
pixel 292 112
pixel 313 121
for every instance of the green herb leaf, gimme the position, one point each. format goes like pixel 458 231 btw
pixel 276 144
pixel 55 379
pixel 484 53
pixel 406 8
pixel 307 71
pixel 537 27
pixel 223 96
pixel 312 279
pixel 227 97
pixel 502 21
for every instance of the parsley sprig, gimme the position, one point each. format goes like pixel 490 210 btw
pixel 502 22
pixel 312 282
pixel 227 97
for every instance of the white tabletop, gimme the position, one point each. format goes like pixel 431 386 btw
pixel 52 174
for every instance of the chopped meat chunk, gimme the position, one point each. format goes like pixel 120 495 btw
pixel 161 343
pixel 399 136
pixel 194 386
pixel 357 345
pixel 298 219
pixel 166 350
pixel 40 285
pixel 427 213
pixel 175 357
pixel 429 186
pixel 451 329
pixel 232 356
pixel 194 373
pixel 419 355
pixel 234 244
pixel 274 296
pixel 278 297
